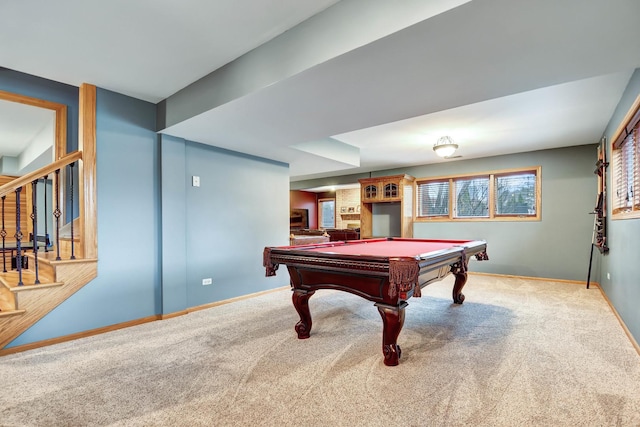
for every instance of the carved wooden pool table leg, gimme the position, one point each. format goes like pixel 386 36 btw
pixel 459 270
pixel 461 279
pixel 301 303
pixel 392 321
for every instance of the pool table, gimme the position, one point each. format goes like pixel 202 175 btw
pixel 387 271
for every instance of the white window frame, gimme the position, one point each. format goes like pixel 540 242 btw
pixel 321 224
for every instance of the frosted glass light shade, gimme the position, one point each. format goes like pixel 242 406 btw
pixel 445 146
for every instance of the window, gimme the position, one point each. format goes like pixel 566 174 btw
pixel 625 181
pixel 501 195
pixel 516 194
pixel 472 198
pixel 433 199
pixel 327 213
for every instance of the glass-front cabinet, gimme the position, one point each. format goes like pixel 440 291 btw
pixel 370 192
pixel 390 197
pixel 388 189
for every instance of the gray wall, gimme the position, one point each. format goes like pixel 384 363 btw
pixel 387 220
pixel 623 261
pixel 158 236
pixel 557 247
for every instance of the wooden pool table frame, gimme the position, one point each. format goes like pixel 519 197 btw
pixel 386 280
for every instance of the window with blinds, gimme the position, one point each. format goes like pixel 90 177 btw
pixel 472 197
pixel 516 194
pixel 510 195
pixel 433 199
pixel 625 197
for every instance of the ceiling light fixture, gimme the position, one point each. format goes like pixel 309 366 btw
pixel 445 146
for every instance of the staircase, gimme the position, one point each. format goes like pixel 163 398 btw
pixel 22 306
pixel 48 278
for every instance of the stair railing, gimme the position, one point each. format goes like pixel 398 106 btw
pixel 65 163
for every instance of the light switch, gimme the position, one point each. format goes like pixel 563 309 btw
pixel 195 181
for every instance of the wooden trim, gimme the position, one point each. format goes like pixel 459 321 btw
pixel 498 172
pixel 60 148
pixel 491 176
pixel 621 214
pixel 84 334
pixel 87 171
pixel 235 299
pixel 634 343
pixel 39 301
pixel 335 213
pixel 624 122
pixel 26 179
pixel 624 326
pixel 541 279
pixel 174 314
pixel 60 143
pixel 98 331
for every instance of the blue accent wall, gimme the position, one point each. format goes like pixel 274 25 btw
pixel 174 217
pixel 241 206
pixel 219 229
pixel 127 286
pixel 158 237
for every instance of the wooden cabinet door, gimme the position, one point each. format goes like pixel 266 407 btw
pixel 370 192
pixel 390 190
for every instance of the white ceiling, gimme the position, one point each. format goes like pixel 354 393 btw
pixel 499 76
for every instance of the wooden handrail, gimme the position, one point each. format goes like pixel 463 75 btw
pixel 10 187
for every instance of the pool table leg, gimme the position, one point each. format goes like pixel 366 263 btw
pixel 301 303
pixel 461 279
pixel 392 321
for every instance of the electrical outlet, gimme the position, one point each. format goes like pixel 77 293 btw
pixel 207 281
pixel 608 276
pixel 195 181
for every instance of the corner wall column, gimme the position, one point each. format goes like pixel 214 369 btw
pixel 88 225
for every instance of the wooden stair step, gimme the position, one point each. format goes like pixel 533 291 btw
pixel 11 278
pixel 11 313
pixel 7 300
pixel 50 257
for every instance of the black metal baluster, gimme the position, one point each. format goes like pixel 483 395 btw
pixel 57 213
pixel 45 179
pixel 18 237
pixel 3 233
pixel 71 197
pixel 34 222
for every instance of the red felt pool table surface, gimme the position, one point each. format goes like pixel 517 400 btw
pixel 390 248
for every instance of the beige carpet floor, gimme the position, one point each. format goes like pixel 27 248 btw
pixel 516 353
